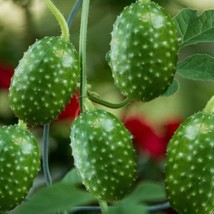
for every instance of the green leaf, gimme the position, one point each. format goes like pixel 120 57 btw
pixel 197 67
pixel 72 177
pixel 127 208
pixel 147 192
pixel 173 88
pixel 193 28
pixel 58 197
pixel 144 192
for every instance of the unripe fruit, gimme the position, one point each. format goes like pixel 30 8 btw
pixel 103 154
pixel 143 52
pixel 190 166
pixel 19 165
pixel 44 80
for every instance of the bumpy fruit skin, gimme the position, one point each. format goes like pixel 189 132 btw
pixel 19 165
pixel 103 154
pixel 190 166
pixel 44 80
pixel 143 52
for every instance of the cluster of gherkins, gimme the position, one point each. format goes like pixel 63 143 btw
pixel 142 57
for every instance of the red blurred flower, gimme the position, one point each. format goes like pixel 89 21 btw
pixel 146 139
pixel 72 109
pixel 6 72
pixel 169 129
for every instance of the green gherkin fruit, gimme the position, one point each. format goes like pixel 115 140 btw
pixel 44 80
pixel 19 165
pixel 103 154
pixel 143 52
pixel 190 166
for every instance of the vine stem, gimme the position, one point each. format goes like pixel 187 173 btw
pixel 151 208
pixel 61 20
pixel 108 104
pixel 73 13
pixel 103 206
pixel 82 52
pixel 45 163
pixel 158 207
pixel 30 25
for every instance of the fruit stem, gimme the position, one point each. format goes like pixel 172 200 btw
pixel 103 206
pixel 73 13
pixel 45 163
pixel 108 104
pixel 88 105
pixel 209 108
pixel 144 1
pixel 22 124
pixel 82 52
pixel 61 20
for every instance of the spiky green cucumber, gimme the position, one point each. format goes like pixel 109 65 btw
pixel 143 51
pixel 103 154
pixel 190 166
pixel 44 80
pixel 19 165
